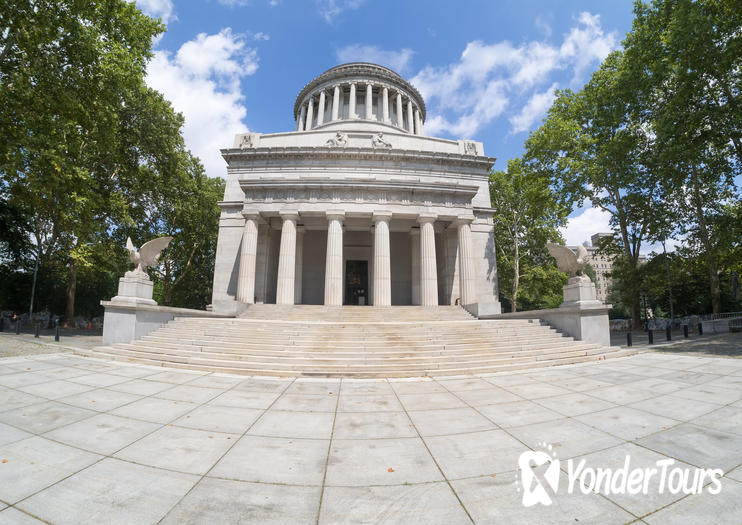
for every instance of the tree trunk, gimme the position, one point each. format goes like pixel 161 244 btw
pixel 69 310
pixel 516 277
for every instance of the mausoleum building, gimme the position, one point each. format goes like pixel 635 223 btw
pixel 356 205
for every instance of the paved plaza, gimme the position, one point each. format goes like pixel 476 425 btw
pixel 91 441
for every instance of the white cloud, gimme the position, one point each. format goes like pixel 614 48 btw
pixel 580 228
pixel 489 78
pixel 202 81
pixel 330 9
pixel 158 8
pixel 397 60
pixel 536 107
pixel 234 3
pixel 261 36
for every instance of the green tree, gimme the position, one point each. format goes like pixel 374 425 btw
pixel 528 215
pixel 594 146
pixel 686 59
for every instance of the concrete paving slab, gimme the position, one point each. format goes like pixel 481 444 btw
pixel 537 390
pixel 460 385
pixel 574 404
pixel 103 433
pixel 518 413
pixel 727 419
pixel 725 507
pixel 275 460
pixel 675 407
pixel 192 394
pixel 245 399
pixel 622 394
pixel 362 462
pixel 10 399
pixel 366 387
pixel 55 389
pixel 314 386
pixel 702 447
pixel 253 384
pixel 627 423
pixel 423 503
pixel 282 423
pixel 232 420
pixel 8 434
pixel 100 379
pixel 370 403
pixel 416 386
pixel 155 410
pixel 496 500
pixel 569 437
pixel 100 399
pixel 639 457
pixel 475 453
pixel 141 387
pixel 16 517
pixel 372 425
pixel 181 449
pixel 44 417
pixel 449 421
pixel 307 402
pixel 487 396
pixel 111 491
pixel 32 464
pixel 228 501
pixel 430 401
pixel 711 393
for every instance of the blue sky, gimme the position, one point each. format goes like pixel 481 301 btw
pixel 487 69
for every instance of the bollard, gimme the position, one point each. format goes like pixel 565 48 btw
pixel 700 328
pixel 56 333
pixel 36 330
pixel 651 337
pixel 668 332
pixel 2 324
pixel 629 342
pixel 18 327
pixel 685 331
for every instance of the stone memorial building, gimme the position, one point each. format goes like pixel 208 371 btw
pixel 356 206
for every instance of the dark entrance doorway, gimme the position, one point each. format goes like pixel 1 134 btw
pixel 356 282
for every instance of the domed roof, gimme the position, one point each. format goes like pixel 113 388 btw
pixel 360 71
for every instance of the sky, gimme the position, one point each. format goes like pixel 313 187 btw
pixel 488 70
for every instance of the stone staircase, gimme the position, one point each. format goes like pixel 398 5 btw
pixel 356 342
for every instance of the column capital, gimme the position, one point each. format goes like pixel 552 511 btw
pixel 425 218
pixel 382 215
pixel 463 220
pixel 335 214
pixel 289 214
pixel 251 214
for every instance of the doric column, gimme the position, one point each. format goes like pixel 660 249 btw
pixel 248 253
pixel 418 123
pixel 321 108
pixel 382 261
pixel 385 105
pixel 310 114
pixel 400 117
pixel 302 115
pixel 410 123
pixel 369 100
pixel 335 102
pixel 466 262
pixel 352 101
pixel 415 273
pixel 428 270
pixel 287 259
pixel 298 281
pixel 334 259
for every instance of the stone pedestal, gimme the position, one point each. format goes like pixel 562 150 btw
pixel 580 292
pixel 135 288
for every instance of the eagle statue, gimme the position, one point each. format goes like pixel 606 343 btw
pixel 569 261
pixel 147 255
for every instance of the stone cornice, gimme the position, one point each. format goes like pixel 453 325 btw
pixel 478 163
pixel 353 70
pixel 465 190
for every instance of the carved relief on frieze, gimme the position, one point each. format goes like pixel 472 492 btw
pixel 339 140
pixel 378 141
pixel 470 147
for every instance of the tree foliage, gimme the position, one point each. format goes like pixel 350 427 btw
pixel 83 136
pixel 527 216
